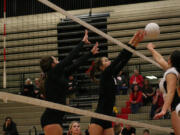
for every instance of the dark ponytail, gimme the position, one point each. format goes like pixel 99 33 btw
pixel 42 84
pixel 45 64
pixel 95 68
pixel 175 60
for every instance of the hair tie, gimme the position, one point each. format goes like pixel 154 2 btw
pixel 43 75
pixel 90 68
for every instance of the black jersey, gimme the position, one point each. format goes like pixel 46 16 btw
pixel 107 88
pixel 56 84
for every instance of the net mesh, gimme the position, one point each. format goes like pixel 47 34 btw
pixel 31 37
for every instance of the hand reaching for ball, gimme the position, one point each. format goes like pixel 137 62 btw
pixel 138 37
pixel 150 46
pixel 85 38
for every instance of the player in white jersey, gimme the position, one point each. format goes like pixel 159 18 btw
pixel 169 84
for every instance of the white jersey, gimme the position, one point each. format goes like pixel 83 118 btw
pixel 162 84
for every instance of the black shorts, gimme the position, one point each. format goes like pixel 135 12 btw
pixel 104 124
pixel 51 116
pixel 175 102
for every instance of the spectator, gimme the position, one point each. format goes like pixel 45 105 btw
pixel 128 130
pixel 115 110
pixel 135 98
pixel 72 89
pixel 74 128
pixel 28 88
pixel 72 85
pixel 157 103
pixel 9 127
pixel 114 113
pixel 36 91
pixel 122 83
pixel 146 132
pixel 41 86
pixel 147 92
pixel 136 78
pixel 41 96
pixel 117 129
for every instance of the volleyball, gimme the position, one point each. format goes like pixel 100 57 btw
pixel 152 30
pixel 178 109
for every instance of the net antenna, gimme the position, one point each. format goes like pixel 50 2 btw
pixel 4 47
pixel 90 10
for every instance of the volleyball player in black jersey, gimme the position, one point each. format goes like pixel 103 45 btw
pixel 107 88
pixel 169 85
pixel 56 84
